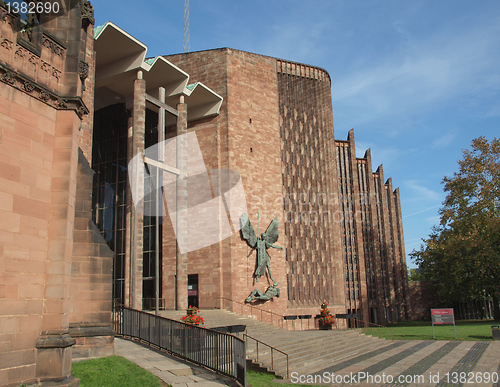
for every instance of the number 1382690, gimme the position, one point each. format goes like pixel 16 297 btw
pixel 471 377
pixel 39 7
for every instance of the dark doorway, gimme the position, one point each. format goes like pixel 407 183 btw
pixel 193 290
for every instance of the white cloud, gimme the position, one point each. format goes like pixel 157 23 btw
pixel 421 193
pixel 443 141
pixel 433 220
pixel 421 211
pixel 429 73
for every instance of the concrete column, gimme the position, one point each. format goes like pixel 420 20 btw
pixel 129 211
pixel 182 231
pixel 374 178
pixel 405 311
pixel 362 302
pixel 396 276
pixel 338 297
pixel 391 258
pixel 388 288
pixel 136 238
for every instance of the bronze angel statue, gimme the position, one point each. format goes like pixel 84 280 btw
pixel 265 241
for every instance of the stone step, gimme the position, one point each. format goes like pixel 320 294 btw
pixel 335 357
pixel 312 348
pixel 308 354
pixel 313 363
pixel 308 351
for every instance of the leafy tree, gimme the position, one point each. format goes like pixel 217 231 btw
pixel 415 275
pixel 462 254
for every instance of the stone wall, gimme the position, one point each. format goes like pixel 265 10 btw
pixel 91 272
pixel 310 185
pixel 207 67
pixel 244 138
pixel 42 115
pixel 340 223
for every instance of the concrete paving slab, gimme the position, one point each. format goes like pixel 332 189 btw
pixel 168 368
pixel 181 371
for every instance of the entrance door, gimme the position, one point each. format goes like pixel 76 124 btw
pixel 193 290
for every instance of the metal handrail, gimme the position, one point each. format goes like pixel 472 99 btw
pixel 376 325
pixel 218 351
pixel 281 318
pixel 272 349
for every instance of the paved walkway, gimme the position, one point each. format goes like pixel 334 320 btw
pixel 404 363
pixel 419 364
pixel 168 368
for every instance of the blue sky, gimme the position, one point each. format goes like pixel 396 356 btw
pixel 416 80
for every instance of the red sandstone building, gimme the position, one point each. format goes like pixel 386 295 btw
pixel 76 107
pixel 340 223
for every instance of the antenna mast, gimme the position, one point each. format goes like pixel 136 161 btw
pixel 185 45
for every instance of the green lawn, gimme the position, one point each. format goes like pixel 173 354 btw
pixel 265 379
pixel 113 371
pixel 116 371
pixel 420 330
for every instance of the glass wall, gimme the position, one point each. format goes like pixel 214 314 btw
pixel 109 161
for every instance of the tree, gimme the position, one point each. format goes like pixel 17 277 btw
pixel 415 275
pixel 462 254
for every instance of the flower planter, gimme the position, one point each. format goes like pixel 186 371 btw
pixel 192 317
pixel 325 319
pixel 325 326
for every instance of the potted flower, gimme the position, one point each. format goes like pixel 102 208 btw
pixel 193 319
pixel 191 310
pixel 325 319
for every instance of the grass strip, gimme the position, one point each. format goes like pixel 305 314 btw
pixel 113 371
pixel 468 330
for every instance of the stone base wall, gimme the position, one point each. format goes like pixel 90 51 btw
pixel 91 274
pixel 92 341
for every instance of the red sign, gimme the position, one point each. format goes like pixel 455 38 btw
pixel 442 316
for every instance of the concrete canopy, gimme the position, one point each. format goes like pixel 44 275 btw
pixel 119 56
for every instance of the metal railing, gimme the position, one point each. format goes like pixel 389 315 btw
pixel 367 324
pixel 218 351
pixel 274 318
pixel 245 336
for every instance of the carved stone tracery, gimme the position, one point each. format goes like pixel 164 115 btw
pixel 37 68
pixel 87 13
pixel 54 47
pixel 28 86
pixel 20 53
pixel 56 73
pixel 83 70
pixel 8 77
pixel 6 43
